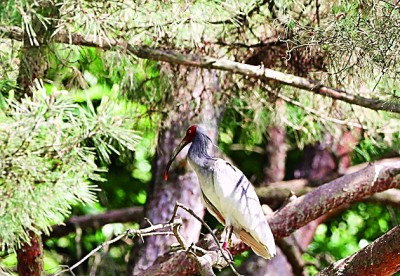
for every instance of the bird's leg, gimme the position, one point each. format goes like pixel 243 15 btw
pixel 230 236
pixel 227 242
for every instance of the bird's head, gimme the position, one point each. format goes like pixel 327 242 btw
pixel 191 133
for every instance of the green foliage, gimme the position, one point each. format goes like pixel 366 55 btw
pixel 9 14
pixel 49 147
pixel 347 233
pixel 373 148
pixel 361 37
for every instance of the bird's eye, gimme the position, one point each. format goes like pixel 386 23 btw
pixel 189 131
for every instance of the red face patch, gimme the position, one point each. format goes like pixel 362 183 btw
pixel 190 133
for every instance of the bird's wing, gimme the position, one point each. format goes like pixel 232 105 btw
pixel 240 206
pixel 212 209
pixel 258 248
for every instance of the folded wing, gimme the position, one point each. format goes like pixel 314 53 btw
pixel 240 207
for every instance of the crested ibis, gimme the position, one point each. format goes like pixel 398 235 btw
pixel 227 194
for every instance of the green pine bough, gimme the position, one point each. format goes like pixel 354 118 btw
pixel 51 151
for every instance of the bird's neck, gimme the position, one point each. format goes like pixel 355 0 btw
pixel 198 151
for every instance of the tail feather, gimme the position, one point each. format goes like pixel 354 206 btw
pixel 259 248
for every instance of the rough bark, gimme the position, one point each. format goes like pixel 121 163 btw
pixel 379 258
pixel 346 189
pixel 30 257
pixel 191 102
pixel 193 60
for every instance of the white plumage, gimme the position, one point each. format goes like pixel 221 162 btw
pixel 230 197
pixel 227 194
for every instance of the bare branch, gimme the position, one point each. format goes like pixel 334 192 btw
pixel 261 73
pixel 228 262
pixel 346 189
pixel 258 72
pixel 130 232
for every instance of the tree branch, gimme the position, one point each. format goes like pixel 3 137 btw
pixel 346 189
pixel 379 258
pixel 175 57
pixel 98 220
pixel 128 233
pixel 261 73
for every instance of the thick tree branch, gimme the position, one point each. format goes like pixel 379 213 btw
pixel 379 258
pixel 346 189
pixel 175 57
pixel 261 73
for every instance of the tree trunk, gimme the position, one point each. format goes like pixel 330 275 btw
pixel 276 149
pixel 191 102
pixel 33 65
pixel 30 257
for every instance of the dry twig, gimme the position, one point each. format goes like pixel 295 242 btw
pixel 128 233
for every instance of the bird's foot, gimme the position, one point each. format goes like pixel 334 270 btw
pixel 229 255
pixel 226 250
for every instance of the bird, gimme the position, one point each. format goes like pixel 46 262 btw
pixel 227 194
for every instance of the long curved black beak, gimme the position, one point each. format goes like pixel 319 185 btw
pixel 181 145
